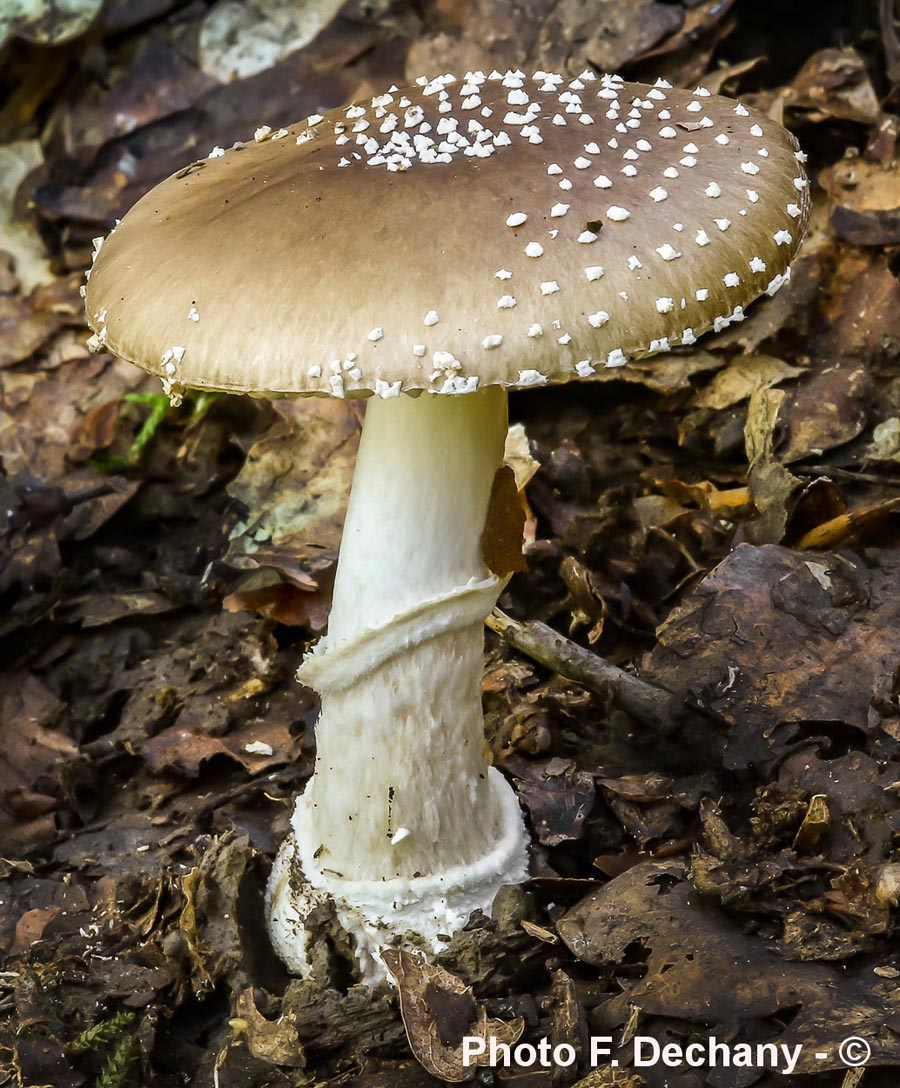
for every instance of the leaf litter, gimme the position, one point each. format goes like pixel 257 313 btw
pixel 717 530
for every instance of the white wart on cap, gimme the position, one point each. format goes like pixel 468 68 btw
pixel 459 233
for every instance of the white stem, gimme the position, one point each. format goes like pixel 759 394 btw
pixel 402 803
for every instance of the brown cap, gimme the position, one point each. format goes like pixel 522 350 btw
pixel 494 229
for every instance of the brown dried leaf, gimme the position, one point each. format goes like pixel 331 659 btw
pixel 101 609
pixel 605 33
pixel 295 484
pixel 700 17
pixel 95 431
pixel 668 373
pixel 185 748
pixel 23 329
pixel 771 485
pixel 30 928
pixel 833 83
pixel 286 602
pixel 773 640
pixel 827 409
pixel 558 796
pixel 504 527
pixel 438 1011
pixel 861 313
pixel 687 942
pixel 42 409
pixel 34 744
pixel 741 378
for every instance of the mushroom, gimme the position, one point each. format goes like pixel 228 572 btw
pixel 429 249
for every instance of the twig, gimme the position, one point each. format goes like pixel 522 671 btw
pixel 255 785
pixel 845 474
pixel 655 707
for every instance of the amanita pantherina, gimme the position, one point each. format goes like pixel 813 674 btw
pixel 449 241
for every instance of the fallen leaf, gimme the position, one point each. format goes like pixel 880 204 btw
pixel 30 928
pixel 239 38
pixel 558 796
pixel 741 378
pixel 438 1011
pixel 295 484
pixel 776 643
pixel 864 524
pixel 833 83
pixel 772 486
pixel 608 33
pixel 185 747
pixel 828 409
pixel 503 535
pixel 265 593
pixel 685 941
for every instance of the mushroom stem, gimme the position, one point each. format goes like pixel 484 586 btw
pixel 403 825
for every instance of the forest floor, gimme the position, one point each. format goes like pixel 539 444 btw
pixel 722 523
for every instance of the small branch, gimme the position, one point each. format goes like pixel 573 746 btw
pixel 254 785
pixel 655 707
pixel 847 475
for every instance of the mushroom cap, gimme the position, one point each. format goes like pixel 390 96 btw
pixel 501 229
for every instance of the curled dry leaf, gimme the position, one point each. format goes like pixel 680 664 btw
pixel 501 540
pixel 741 378
pixel 772 486
pixel 834 83
pixel 438 1010
pixel 265 593
pixel 816 824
